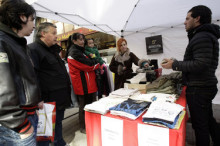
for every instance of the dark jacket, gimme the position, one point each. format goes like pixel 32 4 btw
pixel 19 92
pixel 51 73
pixel 82 71
pixel 123 60
pixel 201 56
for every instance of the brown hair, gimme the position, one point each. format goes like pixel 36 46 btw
pixel 119 42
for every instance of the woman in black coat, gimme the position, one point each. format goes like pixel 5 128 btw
pixel 121 63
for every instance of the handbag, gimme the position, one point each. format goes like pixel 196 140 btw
pixel 46 122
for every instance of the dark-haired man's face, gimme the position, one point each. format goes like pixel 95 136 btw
pixel 191 22
pixel 28 27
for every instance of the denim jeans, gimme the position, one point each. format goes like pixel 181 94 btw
pixel 9 137
pixel 199 100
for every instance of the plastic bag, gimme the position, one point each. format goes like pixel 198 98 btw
pixel 46 122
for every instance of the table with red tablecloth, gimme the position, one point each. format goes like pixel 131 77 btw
pixel 130 132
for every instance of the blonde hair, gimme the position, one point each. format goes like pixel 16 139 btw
pixel 119 42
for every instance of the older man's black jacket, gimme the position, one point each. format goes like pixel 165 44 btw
pixel 52 75
pixel 201 56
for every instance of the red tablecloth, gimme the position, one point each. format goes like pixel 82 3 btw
pixel 93 128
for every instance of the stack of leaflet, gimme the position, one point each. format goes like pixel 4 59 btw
pixel 102 106
pixel 164 113
pixel 123 93
pixel 130 108
pixel 151 97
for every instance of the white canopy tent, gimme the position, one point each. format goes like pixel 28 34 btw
pixel 133 19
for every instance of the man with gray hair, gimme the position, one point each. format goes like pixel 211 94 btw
pixel 52 75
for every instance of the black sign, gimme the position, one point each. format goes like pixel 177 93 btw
pixel 154 44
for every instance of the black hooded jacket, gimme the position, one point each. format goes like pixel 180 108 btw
pixel 201 56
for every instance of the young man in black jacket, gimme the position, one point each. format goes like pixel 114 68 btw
pixel 53 78
pixel 19 92
pixel 198 67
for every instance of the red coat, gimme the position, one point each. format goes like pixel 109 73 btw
pixel 82 71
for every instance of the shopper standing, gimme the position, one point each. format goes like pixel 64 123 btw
pixel 19 92
pixel 82 73
pixel 52 75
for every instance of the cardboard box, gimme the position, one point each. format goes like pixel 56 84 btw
pixel 141 87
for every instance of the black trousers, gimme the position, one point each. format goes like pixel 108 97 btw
pixel 199 100
pixel 102 83
pixel 83 100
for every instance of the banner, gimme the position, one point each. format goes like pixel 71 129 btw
pixel 154 44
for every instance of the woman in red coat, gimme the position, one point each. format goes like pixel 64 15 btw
pixel 81 69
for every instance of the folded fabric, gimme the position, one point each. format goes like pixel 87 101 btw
pixel 163 111
pixel 175 125
pixel 126 115
pixel 122 92
pixel 134 107
pixel 140 77
pixel 102 106
pixel 162 97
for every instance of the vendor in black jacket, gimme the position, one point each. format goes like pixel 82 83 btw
pixel 198 67
pixel 51 72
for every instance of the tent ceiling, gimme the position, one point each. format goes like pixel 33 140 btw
pixel 131 16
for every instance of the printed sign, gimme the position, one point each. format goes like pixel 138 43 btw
pixel 152 135
pixel 154 44
pixel 112 131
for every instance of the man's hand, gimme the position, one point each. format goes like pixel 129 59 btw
pixel 41 105
pixel 167 63
pixel 28 133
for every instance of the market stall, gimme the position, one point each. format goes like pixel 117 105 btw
pixel 130 128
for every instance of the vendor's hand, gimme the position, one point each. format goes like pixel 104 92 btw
pixel 90 54
pixel 167 63
pixel 28 133
pixel 124 68
pixel 41 105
